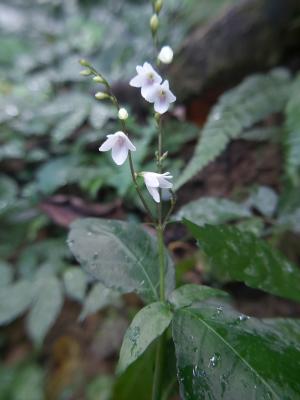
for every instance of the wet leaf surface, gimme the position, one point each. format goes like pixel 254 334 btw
pixel 222 354
pixel 210 210
pixel 148 324
pixel 121 255
pixel 186 295
pixel 240 256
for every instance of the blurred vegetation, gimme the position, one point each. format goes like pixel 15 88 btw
pixel 51 127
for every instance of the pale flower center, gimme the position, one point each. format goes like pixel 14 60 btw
pixel 150 77
pixel 162 94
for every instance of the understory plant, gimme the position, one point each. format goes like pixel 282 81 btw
pixel 190 338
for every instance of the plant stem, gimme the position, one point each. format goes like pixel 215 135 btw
pixel 157 380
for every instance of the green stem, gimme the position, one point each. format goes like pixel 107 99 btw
pixel 159 359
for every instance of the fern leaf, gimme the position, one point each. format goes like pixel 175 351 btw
pixel 254 99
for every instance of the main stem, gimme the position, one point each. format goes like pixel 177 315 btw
pixel 159 359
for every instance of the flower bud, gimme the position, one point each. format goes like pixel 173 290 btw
pixel 86 72
pixel 123 114
pixel 154 23
pixel 84 63
pixel 158 6
pixel 166 55
pixel 101 96
pixel 164 156
pixel 98 79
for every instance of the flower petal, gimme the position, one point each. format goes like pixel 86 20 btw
pixel 109 143
pixel 161 106
pixel 151 179
pixel 163 183
pixel 130 145
pixel 154 193
pixel 137 81
pixel 119 153
pixel 170 97
pixel 150 92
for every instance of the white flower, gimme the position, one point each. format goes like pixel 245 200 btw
pixel 154 181
pixel 145 79
pixel 166 55
pixel 161 96
pixel 119 144
pixel 123 114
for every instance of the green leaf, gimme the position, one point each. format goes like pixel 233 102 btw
pixel 14 300
pixel 98 298
pixel 148 324
pixel 210 210
pixel 264 200
pixel 67 126
pixel 6 274
pixel 75 281
pixel 121 255
pixel 100 388
pixel 45 309
pixel 8 192
pixel 222 354
pixel 240 108
pixel 189 294
pixel 241 256
pixel 29 383
pixel 292 136
pixel 136 382
pixel 56 173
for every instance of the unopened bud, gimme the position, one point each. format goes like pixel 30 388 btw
pixel 154 23
pixel 158 6
pixel 123 114
pixel 98 79
pixel 164 156
pixel 84 63
pixel 166 55
pixel 86 72
pixel 101 96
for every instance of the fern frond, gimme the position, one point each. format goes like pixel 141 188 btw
pixel 254 99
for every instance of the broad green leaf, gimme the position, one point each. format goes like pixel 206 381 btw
pixel 148 324
pixel 210 210
pixel 292 136
pixel 253 225
pixel 6 274
pixel 264 200
pixel 100 388
pixel 46 307
pixel 67 126
pixel 99 297
pixel 29 383
pixel 75 281
pixel 121 255
pixel 254 99
pixel 14 300
pixel 186 295
pixel 290 221
pixel 8 192
pixel 240 256
pixel 136 382
pixel 223 355
pixel 56 173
